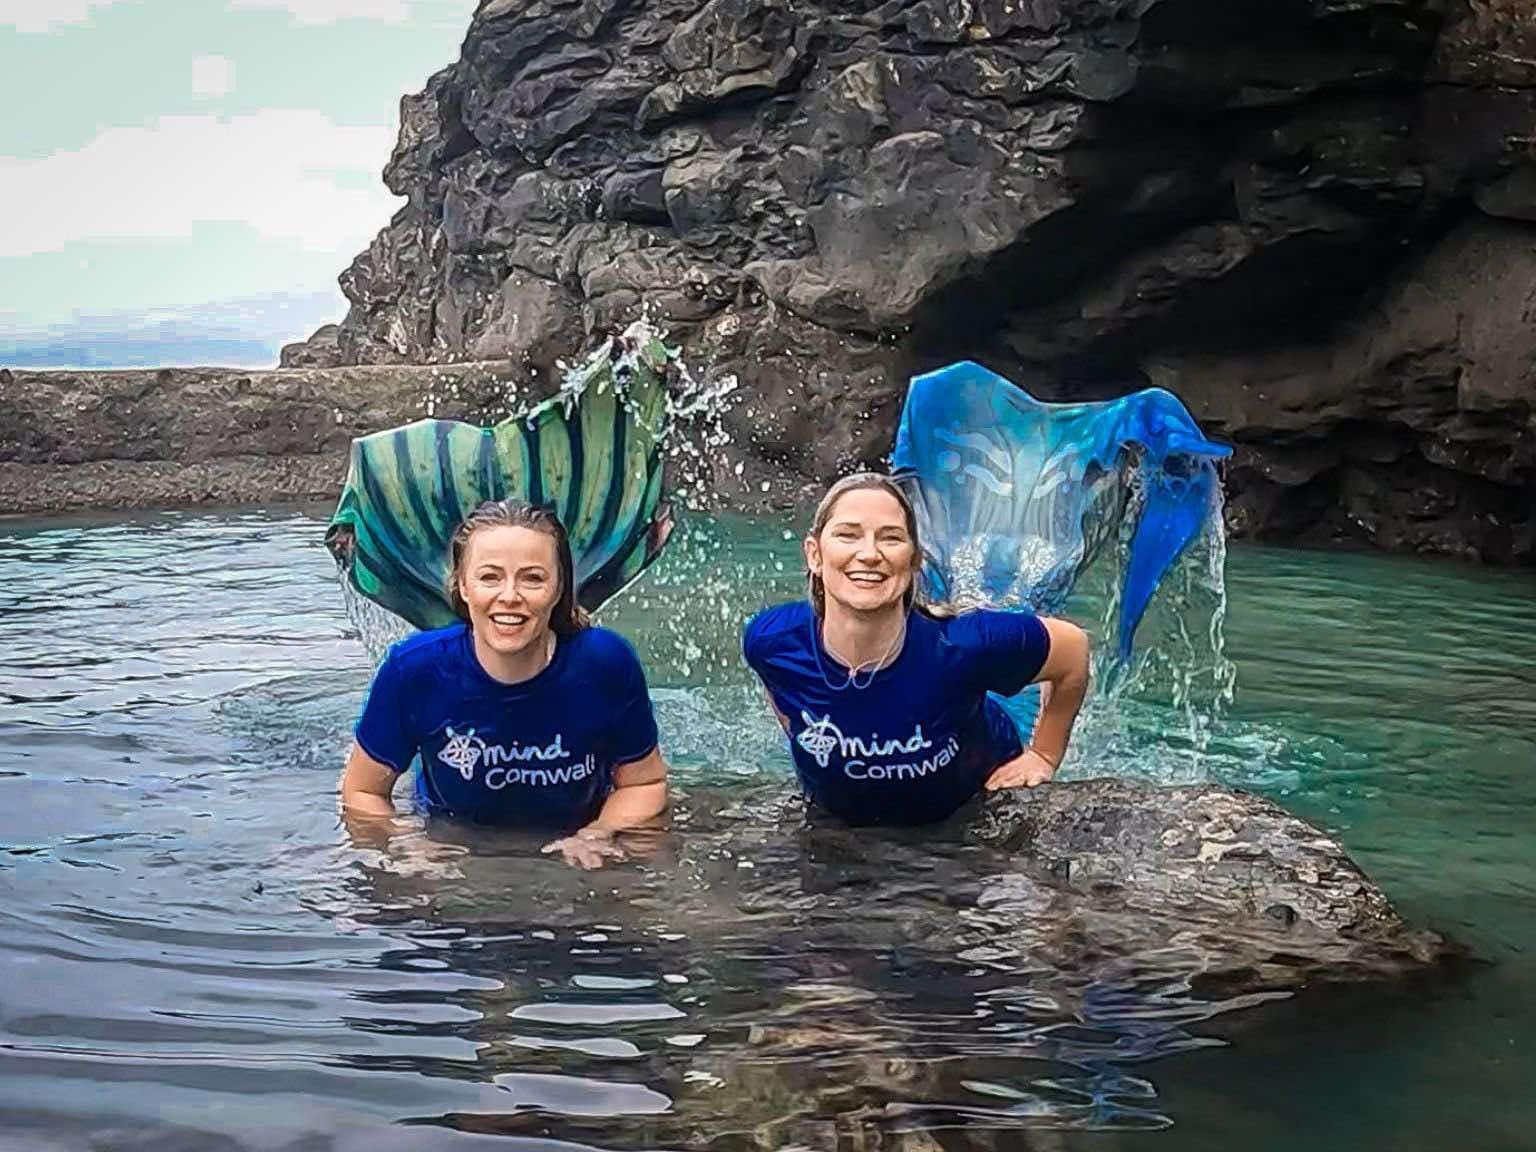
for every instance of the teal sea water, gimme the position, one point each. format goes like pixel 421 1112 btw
pixel 194 953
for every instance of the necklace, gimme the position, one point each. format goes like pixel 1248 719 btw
pixel 852 678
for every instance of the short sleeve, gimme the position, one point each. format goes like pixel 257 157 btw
pixel 751 642
pixel 384 728
pixel 1006 650
pixel 631 733
pixel 773 633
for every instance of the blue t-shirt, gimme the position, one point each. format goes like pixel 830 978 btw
pixel 540 753
pixel 923 737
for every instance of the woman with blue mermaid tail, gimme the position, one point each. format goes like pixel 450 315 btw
pixel 886 699
pixel 898 711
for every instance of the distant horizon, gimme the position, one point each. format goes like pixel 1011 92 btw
pixel 268 364
pixel 181 158
pixel 243 333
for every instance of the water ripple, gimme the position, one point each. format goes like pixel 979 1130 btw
pixel 189 931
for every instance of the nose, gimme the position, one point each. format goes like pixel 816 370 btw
pixel 867 552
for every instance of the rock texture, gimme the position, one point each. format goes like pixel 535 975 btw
pixel 1413 428
pixel 1271 896
pixel 76 440
pixel 1230 197
pixel 1076 875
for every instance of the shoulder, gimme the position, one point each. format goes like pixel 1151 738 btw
pixel 424 651
pixel 603 650
pixel 775 628
pixel 988 629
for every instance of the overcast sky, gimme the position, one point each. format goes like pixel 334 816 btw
pixel 160 155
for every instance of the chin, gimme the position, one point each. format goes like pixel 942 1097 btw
pixel 508 645
pixel 869 600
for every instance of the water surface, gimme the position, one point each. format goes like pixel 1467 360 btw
pixel 194 952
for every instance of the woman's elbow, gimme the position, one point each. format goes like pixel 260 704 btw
pixel 365 783
pixel 648 771
pixel 1069 663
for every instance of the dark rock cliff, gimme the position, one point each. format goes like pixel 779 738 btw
pixel 1311 219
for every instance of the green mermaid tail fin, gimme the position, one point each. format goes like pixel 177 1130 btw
pixel 591 453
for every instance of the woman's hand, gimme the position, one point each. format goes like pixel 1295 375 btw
pixel 1026 770
pixel 588 849
pixel 638 798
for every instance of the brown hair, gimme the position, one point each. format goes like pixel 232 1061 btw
pixel 862 481
pixel 568 616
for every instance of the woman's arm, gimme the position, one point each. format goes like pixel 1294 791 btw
pixel 386 726
pixel 639 795
pixel 1063 680
pixel 367 785
pixel 1063 683
pixel 367 809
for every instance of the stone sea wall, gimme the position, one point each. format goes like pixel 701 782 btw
pixel 175 437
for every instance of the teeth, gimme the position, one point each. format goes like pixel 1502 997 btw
pixel 508 621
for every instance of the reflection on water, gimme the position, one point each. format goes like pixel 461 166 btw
pixel 195 953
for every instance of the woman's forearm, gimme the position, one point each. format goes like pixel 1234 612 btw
pixel 631 806
pixel 1063 686
pixel 366 786
pixel 368 816
pixel 1060 702
pixel 357 802
pixel 639 795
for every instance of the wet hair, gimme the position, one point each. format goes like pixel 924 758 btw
pixel 877 482
pixel 568 617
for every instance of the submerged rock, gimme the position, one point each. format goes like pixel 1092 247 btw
pixel 1027 966
pixel 1220 884
pixel 1268 897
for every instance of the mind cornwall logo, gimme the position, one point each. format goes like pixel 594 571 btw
pixel 463 751
pixel 821 738
pixel 513 763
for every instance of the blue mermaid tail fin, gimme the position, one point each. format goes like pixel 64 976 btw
pixel 1177 471
pixel 1015 496
pixel 1176 508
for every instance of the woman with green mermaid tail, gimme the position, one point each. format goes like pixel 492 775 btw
pixel 522 714
pixel 496 542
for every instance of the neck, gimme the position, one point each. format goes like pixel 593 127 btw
pixel 861 638
pixel 515 667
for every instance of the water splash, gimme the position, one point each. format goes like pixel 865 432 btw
pixel 376 627
pixel 627 417
pixel 1115 505
pixel 1109 513
pixel 1156 716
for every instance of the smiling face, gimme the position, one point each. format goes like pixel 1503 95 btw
pixel 510 583
pixel 864 554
